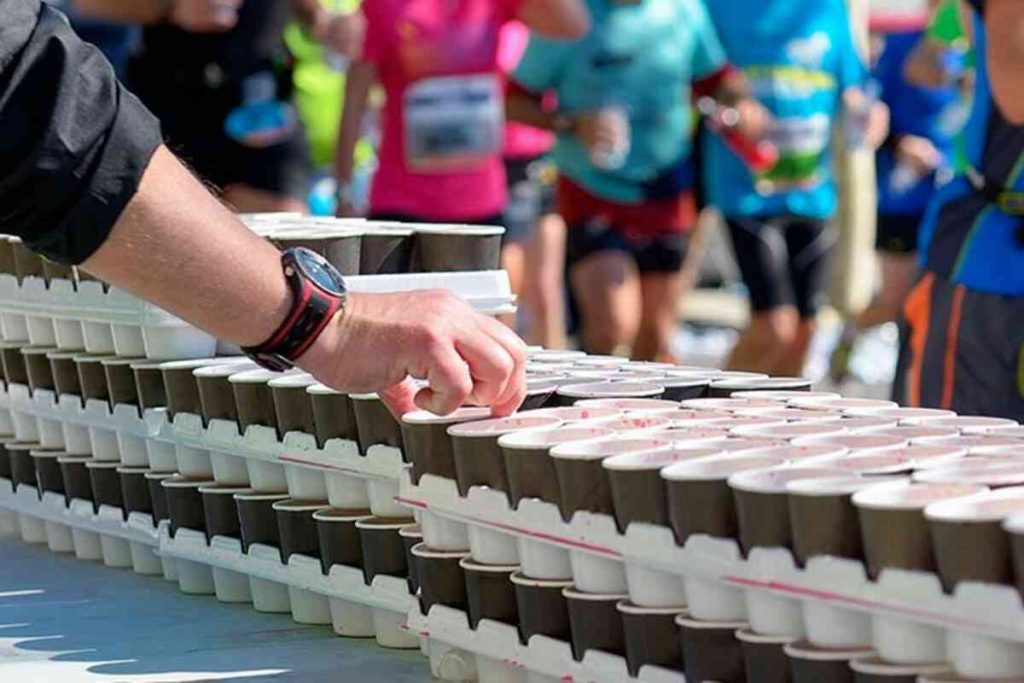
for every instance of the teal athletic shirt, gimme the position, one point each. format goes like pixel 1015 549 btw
pixel 964 238
pixel 642 57
pixel 799 57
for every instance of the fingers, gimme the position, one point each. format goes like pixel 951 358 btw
pixel 490 367
pixel 515 381
pixel 450 382
pixel 399 398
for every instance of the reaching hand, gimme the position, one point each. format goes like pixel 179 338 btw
pixel 380 340
pixel 604 132
pixel 342 32
pixel 919 153
pixel 204 16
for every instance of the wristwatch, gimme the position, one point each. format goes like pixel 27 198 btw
pixel 318 293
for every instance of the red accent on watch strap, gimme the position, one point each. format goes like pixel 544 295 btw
pixel 293 316
pixel 315 334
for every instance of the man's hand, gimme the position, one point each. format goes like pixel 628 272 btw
pixel 341 32
pixel 918 153
pixel 754 118
pixel 380 340
pixel 204 16
pixel 605 131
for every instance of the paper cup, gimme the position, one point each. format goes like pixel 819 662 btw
pixel 875 670
pixel 385 250
pixel 542 608
pixel 216 399
pixel 185 503
pixel 477 456
pixel 65 373
pixel 157 495
pixel 181 386
pixel 428 445
pixel 48 474
pixel 810 664
pixel 13 362
pixel 220 510
pixel 383 550
pixel 121 380
pixel 338 537
pixel 571 393
pixel 457 248
pixel 293 406
pixel 257 519
pixel 651 637
pixel 490 593
pixel 711 651
pixel 253 398
pixel 297 528
pixel 333 415
pixel 595 623
pixel 375 423
pixel 149 384
pixel 725 388
pixel 37 367
pixel 441 578
pixel 135 494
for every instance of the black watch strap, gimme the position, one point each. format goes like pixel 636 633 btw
pixel 313 307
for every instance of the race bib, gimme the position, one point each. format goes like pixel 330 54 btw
pixel 453 123
pixel 801 142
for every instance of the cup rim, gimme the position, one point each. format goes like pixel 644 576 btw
pixel 574 594
pixel 611 390
pixel 409 531
pixel 219 370
pixel 77 460
pixel 62 354
pixel 875 498
pixel 225 489
pixel 876 665
pixel 47 453
pixel 470 565
pixel 802 649
pixel 24 446
pixel 782 383
pixel 257 376
pixel 519 579
pixel 627 607
pixel 117 361
pixel 533 439
pixel 696 470
pixel 494 428
pixel 333 515
pixel 101 464
pixel 843 404
pixel 652 405
pixel 753 481
pixel 748 635
pixel 461 230
pixel 321 389
pixel 258 495
pixel 132 469
pixel 845 485
pixel 371 396
pixel 158 476
pixel 295 505
pixel 181 482
pixel 728 405
pixel 43 350
pixel 426 418
pixel 578 450
pixel 194 363
pixel 784 396
pixel 798 453
pixel 625 462
pixel 422 550
pixel 384 523
pixel 299 381
pixel 572 414
pixel 685 621
pixel 961 470
pixel 964 509
pixel 789 430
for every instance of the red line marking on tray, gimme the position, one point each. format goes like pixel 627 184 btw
pixel 837 597
pixel 560 540
pixel 313 463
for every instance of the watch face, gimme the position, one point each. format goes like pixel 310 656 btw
pixel 319 271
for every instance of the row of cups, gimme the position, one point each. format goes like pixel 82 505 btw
pixel 361 247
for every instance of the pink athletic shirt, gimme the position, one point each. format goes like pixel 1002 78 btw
pixel 418 46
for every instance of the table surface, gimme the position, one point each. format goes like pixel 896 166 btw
pixel 62 619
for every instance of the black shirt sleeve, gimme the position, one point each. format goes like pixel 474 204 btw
pixel 73 142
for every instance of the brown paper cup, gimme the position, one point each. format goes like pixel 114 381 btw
pixel 638 491
pixel 385 250
pixel 822 516
pixel 7 255
pixel 571 393
pixel 595 622
pixel 699 499
pixel 253 398
pixel 23 468
pixel 528 464
pixel 157 494
pixel 185 503
pixel 257 518
pixel 47 467
pixel 37 367
pixel 477 456
pixel 297 527
pixel 764 657
pixel 441 578
pixel 968 538
pixel 293 405
pixel 383 550
pixel 13 362
pixel 427 443
pixel 341 247
pixel 65 372
pixel 27 263
pixel 893 526
pixel 725 388
pixel 220 510
pixel 57 271
pixel 490 593
pixel 457 248
pixel 651 637
pixel 149 384
pixel 181 385
pixel 333 415
pixel 810 664
pixel 339 538
pixel 76 478
pixel 135 495
pixel 375 423
pixel 542 608
pixel 711 651
pixel 216 396
pixel 762 507
pixel 875 670
pixel 121 380
pixel 583 485
pixel 412 535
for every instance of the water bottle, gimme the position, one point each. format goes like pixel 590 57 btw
pixel 857 118
pixel 760 156
pixel 613 158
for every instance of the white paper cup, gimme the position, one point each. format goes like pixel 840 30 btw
pixel 390 632
pixel 228 469
pixel 594 574
pixel 652 588
pixel 350 619
pixel 231 587
pixel 117 552
pixel 308 607
pixel 712 601
pixel 488 546
pixel 346 491
pixel 269 597
pixel 543 561
pixel 441 533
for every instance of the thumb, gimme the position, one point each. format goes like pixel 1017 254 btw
pixel 399 398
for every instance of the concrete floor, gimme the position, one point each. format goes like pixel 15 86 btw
pixel 66 620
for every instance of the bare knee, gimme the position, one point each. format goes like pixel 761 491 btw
pixel 774 329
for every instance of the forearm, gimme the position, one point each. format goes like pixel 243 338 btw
pixel 566 19
pixel 177 246
pixel 524 107
pixel 309 13
pixel 144 12
pixel 360 80
pixel 1004 23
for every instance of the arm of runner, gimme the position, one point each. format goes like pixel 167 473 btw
pixel 359 81
pixel 1004 23
pixel 341 31
pixel 196 16
pixel 566 19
